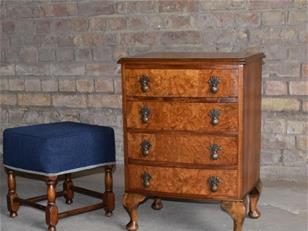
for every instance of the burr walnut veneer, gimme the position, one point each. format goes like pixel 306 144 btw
pixel 192 130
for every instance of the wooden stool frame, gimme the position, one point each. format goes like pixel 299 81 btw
pixel 51 210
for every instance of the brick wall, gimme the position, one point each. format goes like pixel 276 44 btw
pixel 58 61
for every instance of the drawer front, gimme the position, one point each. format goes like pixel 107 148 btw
pixel 160 115
pixel 183 181
pixel 181 82
pixel 182 148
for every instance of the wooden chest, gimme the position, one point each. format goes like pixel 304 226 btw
pixel 192 130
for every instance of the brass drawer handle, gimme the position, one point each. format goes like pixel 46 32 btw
pixel 145 147
pixel 214 183
pixel 146 178
pixel 213 82
pixel 144 83
pixel 145 114
pixel 214 114
pixel 214 149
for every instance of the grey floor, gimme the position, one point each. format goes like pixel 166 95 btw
pixel 283 207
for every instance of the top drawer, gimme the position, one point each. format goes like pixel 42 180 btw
pixel 181 82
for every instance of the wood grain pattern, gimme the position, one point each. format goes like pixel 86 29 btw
pixel 181 83
pixel 182 116
pixel 182 148
pixel 180 129
pixel 183 181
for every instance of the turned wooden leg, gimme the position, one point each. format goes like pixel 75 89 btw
pixel 157 204
pixel 131 201
pixel 51 209
pixel 12 202
pixel 237 210
pixel 109 198
pixel 68 188
pixel 254 196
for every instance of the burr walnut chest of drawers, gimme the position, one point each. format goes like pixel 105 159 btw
pixel 192 130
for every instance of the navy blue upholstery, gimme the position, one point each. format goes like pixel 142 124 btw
pixel 58 148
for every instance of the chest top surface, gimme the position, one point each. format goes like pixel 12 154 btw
pixel 234 57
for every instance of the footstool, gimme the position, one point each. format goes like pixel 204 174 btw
pixel 56 149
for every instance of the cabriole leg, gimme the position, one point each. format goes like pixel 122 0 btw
pixel 157 204
pixel 254 197
pixel 237 210
pixel 131 201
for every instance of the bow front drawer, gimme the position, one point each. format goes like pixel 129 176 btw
pixel 194 182
pixel 186 116
pixel 182 148
pixel 181 82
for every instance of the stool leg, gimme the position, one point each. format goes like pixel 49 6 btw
pixel 51 209
pixel 68 188
pixel 109 198
pixel 12 203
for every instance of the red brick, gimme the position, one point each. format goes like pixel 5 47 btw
pixel 42 26
pixel 298 88
pixel 83 54
pixel 141 6
pixel 8 27
pixel 304 67
pixel 248 19
pixel 276 88
pixel 73 24
pixel 16 84
pixel 92 8
pixel 61 9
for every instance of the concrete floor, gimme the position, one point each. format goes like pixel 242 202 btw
pixel 283 206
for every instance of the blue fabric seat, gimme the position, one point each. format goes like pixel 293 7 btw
pixel 58 148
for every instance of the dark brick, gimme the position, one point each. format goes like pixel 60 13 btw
pixel 93 8
pixel 8 27
pixel 83 54
pixel 74 25
pixel 42 26
pixel 181 37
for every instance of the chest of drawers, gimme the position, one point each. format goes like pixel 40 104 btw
pixel 192 130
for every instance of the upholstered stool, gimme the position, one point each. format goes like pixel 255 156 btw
pixel 55 149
